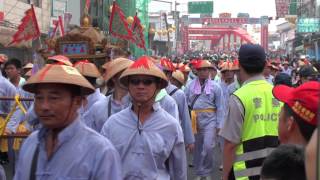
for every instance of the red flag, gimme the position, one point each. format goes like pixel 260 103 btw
pixel 58 25
pixel 88 4
pixel 137 33
pixel 28 29
pixel 115 27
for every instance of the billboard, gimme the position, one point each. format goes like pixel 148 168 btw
pixel 200 7
pixel 282 8
pixel 1 10
pixel 308 25
pixel 58 7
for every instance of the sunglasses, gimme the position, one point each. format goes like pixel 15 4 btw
pixel 146 82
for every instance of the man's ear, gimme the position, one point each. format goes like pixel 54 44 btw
pixel 80 100
pixel 290 123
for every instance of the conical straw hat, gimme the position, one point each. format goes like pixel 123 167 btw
pixel 144 66
pixel 203 64
pixel 58 74
pixel 28 66
pixel 60 59
pixel 87 68
pixel 115 66
pixel 3 58
pixel 166 64
pixel 178 75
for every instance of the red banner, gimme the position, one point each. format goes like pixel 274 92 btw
pixel 119 24
pixel 226 20
pixel 185 38
pixel 58 26
pixel 137 33
pixel 282 8
pixel 264 37
pixel 28 29
pixel 204 37
pixel 1 16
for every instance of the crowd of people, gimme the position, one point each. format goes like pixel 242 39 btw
pixel 147 115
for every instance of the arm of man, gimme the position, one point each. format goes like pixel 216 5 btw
pixel 231 132
pixel 218 101
pixel 177 158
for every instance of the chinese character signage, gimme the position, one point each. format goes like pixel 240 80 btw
pixel 200 7
pixel 282 7
pixel 74 48
pixel 1 10
pixel 58 7
pixel 308 25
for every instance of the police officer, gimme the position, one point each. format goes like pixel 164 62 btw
pixel 250 129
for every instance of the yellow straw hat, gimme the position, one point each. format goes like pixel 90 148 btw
pixel 178 75
pixel 144 66
pixel 60 59
pixel 226 66
pixel 3 58
pixel 204 64
pixel 115 66
pixel 28 66
pixel 87 68
pixel 58 74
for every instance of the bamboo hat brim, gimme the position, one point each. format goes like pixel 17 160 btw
pixel 58 74
pixel 115 66
pixel 178 75
pixel 87 68
pixel 144 66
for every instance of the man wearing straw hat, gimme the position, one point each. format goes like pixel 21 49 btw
pixel 149 140
pixel 119 98
pixel 19 116
pixel 91 73
pixel 205 101
pixel 177 79
pixel 64 148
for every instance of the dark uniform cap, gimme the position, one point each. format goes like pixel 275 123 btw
pixel 252 55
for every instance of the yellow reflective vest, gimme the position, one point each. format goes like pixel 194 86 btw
pixel 260 128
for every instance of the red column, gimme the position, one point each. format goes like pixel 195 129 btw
pixel 229 35
pixel 264 37
pixel 234 41
pixel 223 42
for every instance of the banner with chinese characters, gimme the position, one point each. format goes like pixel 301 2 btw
pixel 28 29
pixel 308 25
pixel 1 10
pixel 282 8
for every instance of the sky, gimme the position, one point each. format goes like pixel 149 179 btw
pixel 255 8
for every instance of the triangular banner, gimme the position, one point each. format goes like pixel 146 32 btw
pixel 118 23
pixel 28 29
pixel 137 33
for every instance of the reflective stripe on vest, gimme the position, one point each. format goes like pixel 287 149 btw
pixel 254 154
pixel 260 128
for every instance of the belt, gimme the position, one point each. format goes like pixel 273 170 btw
pixel 194 114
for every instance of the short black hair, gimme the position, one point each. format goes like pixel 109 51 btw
pixel 305 128
pixel 285 163
pixel 16 62
pixel 92 80
pixel 254 69
pixel 283 79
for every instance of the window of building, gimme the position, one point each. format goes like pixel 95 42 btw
pixel 37 3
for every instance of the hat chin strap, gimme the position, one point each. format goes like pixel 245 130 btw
pixel 141 104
